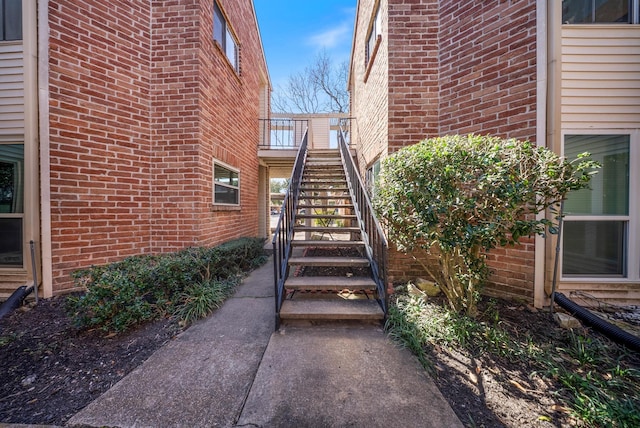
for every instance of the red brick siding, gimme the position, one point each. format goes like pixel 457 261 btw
pixel 140 102
pixel 99 132
pixel 488 68
pixel 234 102
pixel 370 100
pixel 454 68
pixel 488 86
pixel 413 72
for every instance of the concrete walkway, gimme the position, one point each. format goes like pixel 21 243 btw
pixel 232 370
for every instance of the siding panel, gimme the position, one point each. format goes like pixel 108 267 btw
pixel 600 77
pixel 11 90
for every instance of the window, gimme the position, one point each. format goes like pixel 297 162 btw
pixel 371 178
pixel 10 20
pixel 11 204
pixel 372 36
pixel 600 11
pixel 225 38
pixel 600 227
pixel 226 185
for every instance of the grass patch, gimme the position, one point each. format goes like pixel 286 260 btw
pixel 188 284
pixel 597 380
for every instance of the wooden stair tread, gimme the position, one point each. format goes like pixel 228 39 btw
pixel 330 283
pixel 326 243
pixel 329 261
pixel 327 216
pixel 312 197
pixel 331 309
pixel 329 229
pixel 322 206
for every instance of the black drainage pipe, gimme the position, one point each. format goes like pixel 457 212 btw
pixel 15 300
pixel 615 333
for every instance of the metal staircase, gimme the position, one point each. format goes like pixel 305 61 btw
pixel 326 266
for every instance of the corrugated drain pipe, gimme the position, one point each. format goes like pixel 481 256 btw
pixel 613 332
pixel 15 300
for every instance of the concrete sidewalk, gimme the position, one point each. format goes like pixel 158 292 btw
pixel 233 370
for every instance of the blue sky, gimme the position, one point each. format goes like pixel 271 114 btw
pixel 294 31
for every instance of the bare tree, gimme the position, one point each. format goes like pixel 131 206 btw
pixel 319 88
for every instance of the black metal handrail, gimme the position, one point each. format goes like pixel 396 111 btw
pixel 372 234
pixel 281 133
pixel 283 234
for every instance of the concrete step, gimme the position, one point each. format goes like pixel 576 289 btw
pixel 330 309
pixel 327 244
pixel 334 283
pixel 329 261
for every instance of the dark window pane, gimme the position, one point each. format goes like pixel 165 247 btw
pixel 594 248
pixel 11 242
pixel 612 11
pixel 11 178
pixel 12 20
pixel 225 176
pixel 225 195
pixel 595 11
pixel 218 25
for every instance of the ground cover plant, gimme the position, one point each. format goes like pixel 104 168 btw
pixel 188 284
pixel 515 362
pixel 448 201
pixel 55 361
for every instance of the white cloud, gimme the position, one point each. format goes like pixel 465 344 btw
pixel 332 37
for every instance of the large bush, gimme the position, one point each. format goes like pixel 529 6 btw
pixel 141 288
pixel 456 197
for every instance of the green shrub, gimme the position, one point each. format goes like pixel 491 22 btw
pixel 141 288
pixel 457 197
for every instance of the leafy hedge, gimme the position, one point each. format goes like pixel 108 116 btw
pixel 188 284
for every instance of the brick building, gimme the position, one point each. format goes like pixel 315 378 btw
pixel 564 75
pixel 128 127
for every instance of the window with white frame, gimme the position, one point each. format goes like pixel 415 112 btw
pixel 372 36
pixel 224 36
pixel 10 20
pixel 601 223
pixel 371 178
pixel 226 184
pixel 600 11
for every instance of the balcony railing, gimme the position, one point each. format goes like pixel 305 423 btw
pixel 285 131
pixel 282 133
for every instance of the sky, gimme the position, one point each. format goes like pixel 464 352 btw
pixel 294 31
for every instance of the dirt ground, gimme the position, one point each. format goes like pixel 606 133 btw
pixel 50 370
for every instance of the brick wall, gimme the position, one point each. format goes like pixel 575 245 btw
pixel 141 99
pixel 370 86
pixel 488 86
pixel 413 72
pixel 99 132
pixel 487 68
pixel 454 68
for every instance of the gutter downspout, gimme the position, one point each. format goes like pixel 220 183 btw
pixel 45 168
pixel 541 140
pixel 553 119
